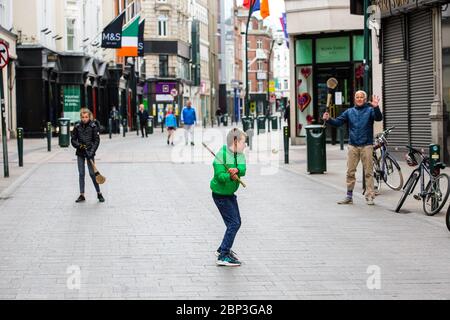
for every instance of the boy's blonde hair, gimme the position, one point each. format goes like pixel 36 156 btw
pixel 235 133
pixel 86 110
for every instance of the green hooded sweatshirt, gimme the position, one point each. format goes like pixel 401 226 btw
pixel 221 183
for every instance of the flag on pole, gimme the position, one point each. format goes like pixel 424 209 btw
pixel 141 38
pixel 130 39
pixel 284 26
pixel 112 34
pixel 265 12
pixel 255 3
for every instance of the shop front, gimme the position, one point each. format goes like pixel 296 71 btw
pixel 414 43
pixel 328 71
pixel 162 96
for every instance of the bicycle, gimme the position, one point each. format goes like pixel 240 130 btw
pixel 385 167
pixel 447 219
pixel 433 195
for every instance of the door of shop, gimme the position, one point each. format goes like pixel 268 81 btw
pixel 341 95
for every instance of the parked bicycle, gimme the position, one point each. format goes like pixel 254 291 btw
pixel 385 167
pixel 435 194
pixel 447 219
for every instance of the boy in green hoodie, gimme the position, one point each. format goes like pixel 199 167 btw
pixel 223 185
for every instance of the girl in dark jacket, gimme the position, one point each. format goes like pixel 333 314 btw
pixel 86 139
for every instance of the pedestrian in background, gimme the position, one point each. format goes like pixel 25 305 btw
pixel 114 115
pixel 218 116
pixel 171 125
pixel 143 119
pixel 85 138
pixel 189 119
pixel 224 184
pixel 360 120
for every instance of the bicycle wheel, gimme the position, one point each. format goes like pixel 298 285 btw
pixel 376 175
pixel 447 219
pixel 393 174
pixel 407 190
pixel 436 194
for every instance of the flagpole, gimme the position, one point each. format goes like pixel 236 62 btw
pixel 247 102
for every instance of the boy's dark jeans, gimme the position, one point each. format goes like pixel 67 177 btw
pixel 81 171
pixel 229 209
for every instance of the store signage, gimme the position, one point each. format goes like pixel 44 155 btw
pixel 4 54
pixel 165 87
pixel 261 76
pixel 164 97
pixel 72 102
pixel 392 7
pixel 333 49
pixel 271 86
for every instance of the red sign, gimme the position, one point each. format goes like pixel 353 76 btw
pixel 174 92
pixel 4 54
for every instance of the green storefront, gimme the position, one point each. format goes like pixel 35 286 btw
pixel 319 58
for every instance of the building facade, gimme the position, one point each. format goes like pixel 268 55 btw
pixel 415 60
pixel 326 41
pixel 9 73
pixel 281 70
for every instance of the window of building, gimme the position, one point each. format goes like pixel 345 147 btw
pixel 162 25
pixel 5 14
pixel 260 86
pixel 70 34
pixel 260 65
pixel 163 65
pixel 259 44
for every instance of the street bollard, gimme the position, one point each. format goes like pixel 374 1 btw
pixel 204 122
pixel 250 134
pixel 341 137
pixel 49 136
pixel 138 125
pixel 268 124
pixel 286 144
pixel 124 127
pixel 110 128
pixel 20 145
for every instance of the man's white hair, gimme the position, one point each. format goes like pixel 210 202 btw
pixel 361 91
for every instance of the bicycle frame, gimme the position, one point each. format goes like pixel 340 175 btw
pixel 421 170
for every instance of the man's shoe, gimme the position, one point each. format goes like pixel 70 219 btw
pixel 100 198
pixel 232 254
pixel 172 144
pixel 192 144
pixel 370 202
pixel 168 142
pixel 80 199
pixel 346 201
pixel 228 261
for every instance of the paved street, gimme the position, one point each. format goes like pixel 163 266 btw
pixel 155 236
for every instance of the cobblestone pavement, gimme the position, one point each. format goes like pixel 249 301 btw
pixel 155 236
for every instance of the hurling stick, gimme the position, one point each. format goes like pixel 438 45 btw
pixel 226 167
pixel 98 177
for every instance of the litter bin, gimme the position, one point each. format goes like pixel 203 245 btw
pixel 274 120
pixel 225 119
pixel 246 123
pixel 64 132
pixel 316 149
pixel 150 125
pixel 261 120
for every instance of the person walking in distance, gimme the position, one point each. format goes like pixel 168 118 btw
pixel 189 119
pixel 224 184
pixel 143 119
pixel 360 120
pixel 171 125
pixel 85 138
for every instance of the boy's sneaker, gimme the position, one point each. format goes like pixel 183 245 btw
pixel 228 261
pixel 232 254
pixel 346 201
pixel 80 199
pixel 370 202
pixel 100 198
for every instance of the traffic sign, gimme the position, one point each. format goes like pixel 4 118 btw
pixel 174 92
pixel 4 54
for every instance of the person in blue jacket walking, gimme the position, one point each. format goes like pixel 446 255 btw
pixel 171 125
pixel 360 120
pixel 189 119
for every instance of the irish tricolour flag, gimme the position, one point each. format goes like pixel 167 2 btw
pixel 130 39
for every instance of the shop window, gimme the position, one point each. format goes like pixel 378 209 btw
pixel 304 99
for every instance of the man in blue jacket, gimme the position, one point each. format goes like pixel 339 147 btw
pixel 360 121
pixel 189 119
